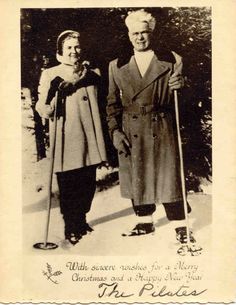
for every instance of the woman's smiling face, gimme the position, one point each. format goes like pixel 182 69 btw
pixel 71 50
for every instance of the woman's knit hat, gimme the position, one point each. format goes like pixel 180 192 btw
pixel 63 36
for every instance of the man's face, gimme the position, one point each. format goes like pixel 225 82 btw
pixel 71 50
pixel 140 36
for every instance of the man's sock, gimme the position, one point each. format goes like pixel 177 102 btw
pixel 144 219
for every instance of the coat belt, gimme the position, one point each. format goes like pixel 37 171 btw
pixel 144 109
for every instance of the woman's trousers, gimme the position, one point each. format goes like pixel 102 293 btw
pixel 77 188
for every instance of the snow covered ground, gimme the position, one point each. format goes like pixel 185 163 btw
pixel 110 214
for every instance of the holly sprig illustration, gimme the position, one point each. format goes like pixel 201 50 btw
pixel 50 274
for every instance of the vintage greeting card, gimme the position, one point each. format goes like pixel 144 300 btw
pixel 117 133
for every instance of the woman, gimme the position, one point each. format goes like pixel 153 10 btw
pixel 79 147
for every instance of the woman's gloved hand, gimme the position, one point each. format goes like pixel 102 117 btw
pixel 65 86
pixel 121 143
pixel 55 83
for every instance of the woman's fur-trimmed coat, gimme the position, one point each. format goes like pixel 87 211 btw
pixel 79 137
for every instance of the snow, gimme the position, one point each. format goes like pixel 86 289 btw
pixel 110 214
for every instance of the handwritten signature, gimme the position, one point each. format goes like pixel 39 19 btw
pixel 50 274
pixel 113 290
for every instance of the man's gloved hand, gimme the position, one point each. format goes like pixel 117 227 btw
pixel 121 143
pixel 176 81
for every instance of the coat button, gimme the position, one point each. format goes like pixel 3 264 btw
pixel 135 117
pixel 154 119
pixel 135 135
pixel 162 114
pixel 85 98
pixel 154 136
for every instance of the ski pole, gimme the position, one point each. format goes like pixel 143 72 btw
pixel 188 248
pixel 181 166
pixel 47 245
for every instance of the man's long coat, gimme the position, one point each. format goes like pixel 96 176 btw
pixel 151 173
pixel 79 136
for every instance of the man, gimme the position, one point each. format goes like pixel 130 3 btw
pixel 142 126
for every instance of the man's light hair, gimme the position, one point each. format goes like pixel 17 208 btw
pixel 140 16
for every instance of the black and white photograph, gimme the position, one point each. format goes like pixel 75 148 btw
pixel 111 77
pixel 117 157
